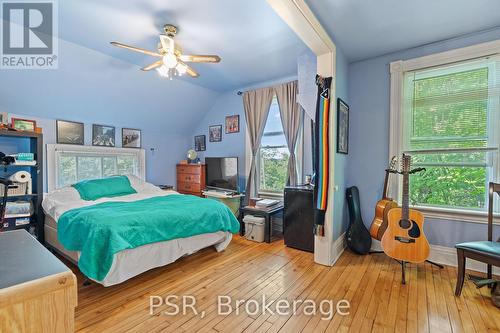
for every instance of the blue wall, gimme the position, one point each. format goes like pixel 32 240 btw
pixel 369 94
pixel 227 104
pixel 95 88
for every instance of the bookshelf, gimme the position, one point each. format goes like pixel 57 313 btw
pixel 13 142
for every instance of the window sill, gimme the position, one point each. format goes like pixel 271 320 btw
pixel 457 215
pixel 271 195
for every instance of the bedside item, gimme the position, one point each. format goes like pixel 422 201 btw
pixel 269 215
pixel 69 132
pixel 357 236
pixel 200 143
pixel 487 251
pixel 191 156
pixel 384 205
pixel 254 228
pixel 23 124
pixel 342 127
pixel 166 187
pixel 103 135
pixel 215 133
pixel 131 138
pixel 27 179
pixel 266 203
pixel 18 209
pixel 191 179
pixel 231 200
pixel 253 201
pixel 232 124
pixel 298 217
pixel 36 289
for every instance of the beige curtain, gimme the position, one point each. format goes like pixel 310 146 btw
pixel 256 104
pixel 290 118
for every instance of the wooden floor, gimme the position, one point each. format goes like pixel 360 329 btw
pixel 245 270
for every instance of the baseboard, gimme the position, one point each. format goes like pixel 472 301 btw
pixel 339 246
pixel 447 256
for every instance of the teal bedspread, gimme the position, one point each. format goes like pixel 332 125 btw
pixel 101 230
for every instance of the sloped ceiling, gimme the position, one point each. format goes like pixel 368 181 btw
pixel 367 28
pixel 99 83
pixel 254 43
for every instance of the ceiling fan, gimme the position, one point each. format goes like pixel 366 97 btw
pixel 172 62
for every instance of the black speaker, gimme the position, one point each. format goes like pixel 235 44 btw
pixel 298 218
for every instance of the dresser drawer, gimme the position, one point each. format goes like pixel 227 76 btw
pixel 192 169
pixel 188 187
pixel 189 178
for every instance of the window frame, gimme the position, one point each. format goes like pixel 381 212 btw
pixel 397 122
pixel 269 194
pixel 54 149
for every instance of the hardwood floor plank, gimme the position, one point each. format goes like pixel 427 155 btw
pixel 249 271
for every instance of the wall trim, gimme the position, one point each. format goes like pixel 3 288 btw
pixel 299 17
pixel 446 256
pixel 339 246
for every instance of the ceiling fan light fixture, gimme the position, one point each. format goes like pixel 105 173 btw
pixel 181 69
pixel 170 60
pixel 163 71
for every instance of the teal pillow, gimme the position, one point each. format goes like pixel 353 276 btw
pixel 109 187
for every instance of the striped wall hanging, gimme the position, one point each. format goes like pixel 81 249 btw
pixel 321 153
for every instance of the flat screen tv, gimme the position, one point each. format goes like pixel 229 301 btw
pixel 222 173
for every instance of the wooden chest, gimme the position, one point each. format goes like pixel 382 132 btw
pixel 191 178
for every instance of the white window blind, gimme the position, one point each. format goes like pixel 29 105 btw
pixel 451 128
pixel 69 164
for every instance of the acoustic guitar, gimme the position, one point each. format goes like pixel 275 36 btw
pixel 404 238
pixel 384 205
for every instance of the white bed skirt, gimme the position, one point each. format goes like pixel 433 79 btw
pixel 132 262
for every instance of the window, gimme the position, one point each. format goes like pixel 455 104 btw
pixel 68 165
pixel 273 154
pixel 450 127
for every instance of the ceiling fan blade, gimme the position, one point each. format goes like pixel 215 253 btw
pixel 136 49
pixel 200 58
pixel 154 65
pixel 190 71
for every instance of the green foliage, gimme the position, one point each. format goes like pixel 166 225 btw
pixel 450 111
pixel 273 169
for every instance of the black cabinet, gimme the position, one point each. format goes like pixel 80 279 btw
pixel 298 218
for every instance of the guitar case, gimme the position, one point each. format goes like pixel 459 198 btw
pixel 358 236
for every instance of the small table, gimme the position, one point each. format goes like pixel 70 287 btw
pixel 231 201
pixel 267 215
pixel 36 289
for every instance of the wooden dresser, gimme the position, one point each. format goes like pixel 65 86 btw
pixel 191 178
pixel 37 291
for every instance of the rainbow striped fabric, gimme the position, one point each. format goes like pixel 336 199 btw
pixel 321 152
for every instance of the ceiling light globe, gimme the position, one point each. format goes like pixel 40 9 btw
pixel 181 69
pixel 163 71
pixel 170 60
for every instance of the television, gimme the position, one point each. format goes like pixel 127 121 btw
pixel 222 173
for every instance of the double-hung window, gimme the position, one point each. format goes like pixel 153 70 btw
pixel 272 161
pixel 449 124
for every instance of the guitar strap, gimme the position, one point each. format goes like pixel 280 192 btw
pixel 321 153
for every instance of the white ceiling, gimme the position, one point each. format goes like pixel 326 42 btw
pixel 254 43
pixel 368 28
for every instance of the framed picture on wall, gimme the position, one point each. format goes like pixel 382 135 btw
pixel 69 132
pixel 131 138
pixel 200 143
pixel 233 124
pixel 103 135
pixel 342 127
pixel 215 133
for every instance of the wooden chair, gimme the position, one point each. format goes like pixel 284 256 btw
pixel 484 251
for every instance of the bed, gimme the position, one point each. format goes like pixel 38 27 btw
pixel 66 213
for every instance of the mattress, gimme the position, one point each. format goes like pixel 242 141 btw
pixel 131 262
